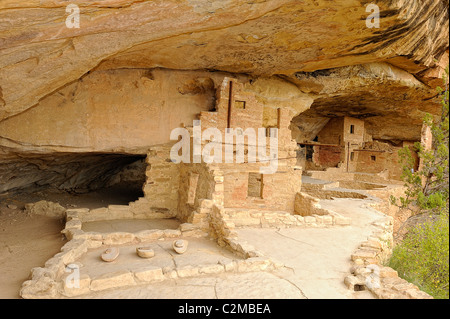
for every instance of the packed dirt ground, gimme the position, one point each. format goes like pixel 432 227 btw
pixel 25 242
pixel 29 241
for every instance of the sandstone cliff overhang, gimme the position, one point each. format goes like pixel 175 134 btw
pixel 134 70
pixel 39 54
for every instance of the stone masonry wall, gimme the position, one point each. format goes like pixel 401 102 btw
pixel 161 186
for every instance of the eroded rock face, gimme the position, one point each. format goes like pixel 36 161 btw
pixel 391 101
pixel 78 172
pixel 39 54
pixel 135 70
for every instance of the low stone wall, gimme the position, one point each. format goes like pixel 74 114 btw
pixel 76 217
pixel 51 281
pixel 369 273
pixel 308 206
pixel 223 231
pixel 151 274
pixel 266 219
pixel 333 193
pixel 224 222
pixel 140 209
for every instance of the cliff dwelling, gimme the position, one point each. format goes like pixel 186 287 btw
pixel 175 135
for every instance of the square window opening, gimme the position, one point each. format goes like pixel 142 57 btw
pixel 352 129
pixel 239 105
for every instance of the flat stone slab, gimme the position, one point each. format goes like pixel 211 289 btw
pixel 316 262
pixel 201 251
pixel 363 254
pixel 219 286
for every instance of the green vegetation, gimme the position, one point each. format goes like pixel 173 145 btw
pixel 423 256
pixel 427 188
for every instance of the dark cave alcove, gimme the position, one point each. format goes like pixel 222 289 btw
pixel 76 179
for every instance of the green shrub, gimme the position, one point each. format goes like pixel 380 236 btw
pixel 423 256
pixel 427 188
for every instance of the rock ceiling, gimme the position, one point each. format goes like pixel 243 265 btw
pixel 318 56
pixel 39 54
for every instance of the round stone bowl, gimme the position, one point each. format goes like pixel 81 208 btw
pixel 110 254
pixel 180 246
pixel 145 252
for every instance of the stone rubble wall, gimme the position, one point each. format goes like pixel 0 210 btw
pixel 76 217
pixel 50 281
pixel 224 222
pixel 162 182
pixel 45 208
pixel 224 232
pixel 206 187
pixel 369 273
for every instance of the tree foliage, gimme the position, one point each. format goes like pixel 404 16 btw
pixel 423 256
pixel 427 188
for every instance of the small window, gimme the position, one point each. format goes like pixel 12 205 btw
pixel 352 129
pixel 352 156
pixel 373 158
pixel 309 152
pixel 239 105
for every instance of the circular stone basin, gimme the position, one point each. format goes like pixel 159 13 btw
pixel 180 245
pixel 110 254
pixel 145 252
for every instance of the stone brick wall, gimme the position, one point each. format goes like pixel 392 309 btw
pixel 332 132
pixel 328 156
pixel 163 176
pixel 203 190
pixel 278 190
pixel 357 135
pixel 51 281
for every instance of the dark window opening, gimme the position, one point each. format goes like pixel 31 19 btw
pixel 373 158
pixel 239 105
pixel 352 129
pixel 359 288
pixel 309 152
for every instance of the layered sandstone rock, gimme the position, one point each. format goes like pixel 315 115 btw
pixel 135 70
pixel 39 54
